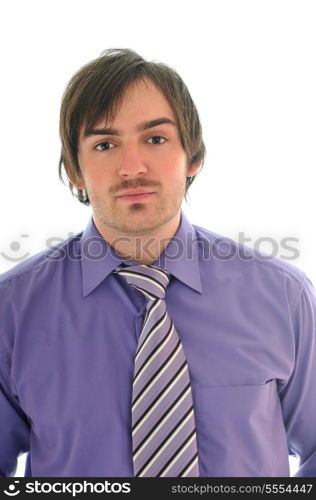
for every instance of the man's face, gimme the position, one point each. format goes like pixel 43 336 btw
pixel 135 176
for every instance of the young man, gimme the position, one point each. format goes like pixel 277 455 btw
pixel 139 347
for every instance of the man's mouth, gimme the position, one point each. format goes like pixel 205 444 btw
pixel 135 194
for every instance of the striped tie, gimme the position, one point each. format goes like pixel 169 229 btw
pixel 163 426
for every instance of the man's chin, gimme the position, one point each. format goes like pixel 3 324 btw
pixel 137 222
pixel 139 229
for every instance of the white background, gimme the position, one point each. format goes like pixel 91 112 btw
pixel 250 67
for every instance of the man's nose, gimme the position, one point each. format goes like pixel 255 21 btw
pixel 132 162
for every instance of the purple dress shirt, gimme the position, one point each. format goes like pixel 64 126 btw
pixel 68 335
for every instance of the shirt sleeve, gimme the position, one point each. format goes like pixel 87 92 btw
pixel 298 395
pixel 14 424
pixel 14 429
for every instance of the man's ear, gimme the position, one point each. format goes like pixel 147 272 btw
pixel 75 179
pixel 193 169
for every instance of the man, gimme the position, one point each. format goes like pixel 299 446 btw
pixel 147 346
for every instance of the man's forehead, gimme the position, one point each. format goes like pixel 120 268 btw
pixel 156 115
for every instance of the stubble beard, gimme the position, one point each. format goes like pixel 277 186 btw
pixel 137 218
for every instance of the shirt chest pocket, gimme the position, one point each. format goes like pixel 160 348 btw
pixel 240 431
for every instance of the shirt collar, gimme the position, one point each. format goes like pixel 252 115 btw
pixel 180 258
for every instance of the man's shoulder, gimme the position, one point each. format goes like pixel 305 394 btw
pixel 42 263
pixel 224 249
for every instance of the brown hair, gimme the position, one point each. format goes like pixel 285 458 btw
pixel 96 91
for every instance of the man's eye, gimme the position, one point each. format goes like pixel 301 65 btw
pixel 103 146
pixel 157 139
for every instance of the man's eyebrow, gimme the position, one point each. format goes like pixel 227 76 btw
pixel 140 128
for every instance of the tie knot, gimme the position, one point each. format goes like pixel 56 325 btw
pixel 152 282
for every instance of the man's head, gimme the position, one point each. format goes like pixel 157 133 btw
pixel 95 93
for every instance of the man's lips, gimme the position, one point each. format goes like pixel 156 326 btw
pixel 132 192
pixel 135 195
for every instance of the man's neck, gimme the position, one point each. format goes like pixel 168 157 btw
pixel 141 248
